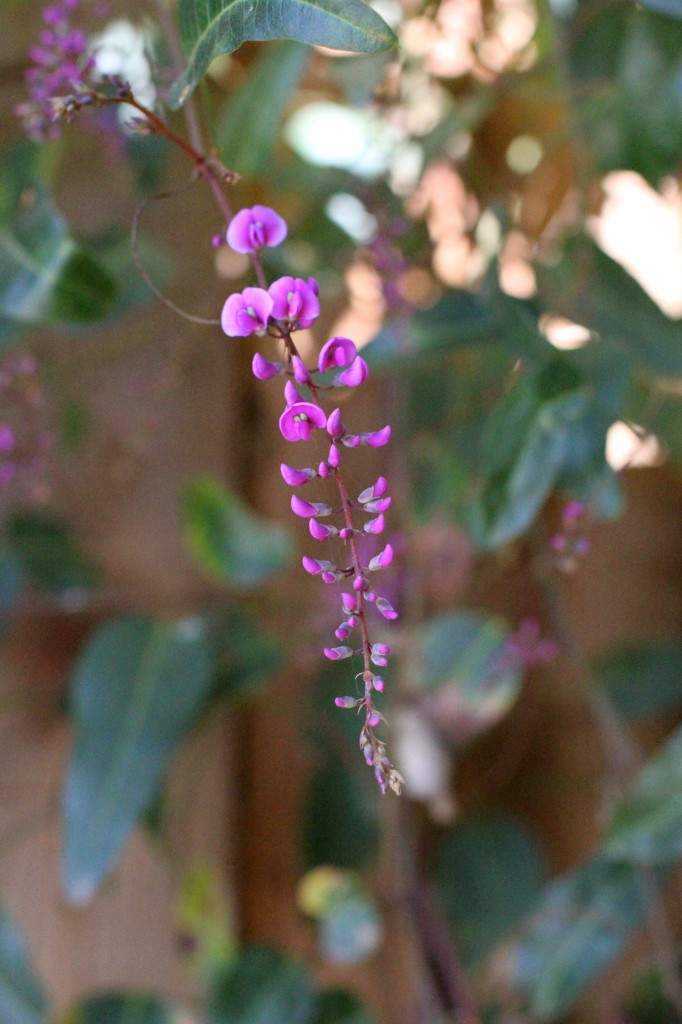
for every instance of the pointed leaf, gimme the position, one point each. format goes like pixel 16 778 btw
pixel 647 826
pixel 213 27
pixel 250 126
pixel 262 987
pixel 136 688
pixel 230 542
pixel 21 998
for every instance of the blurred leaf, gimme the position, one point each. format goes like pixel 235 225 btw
pixel 628 62
pixel 262 987
pixel 230 542
pixel 672 8
pixel 22 1000
pixel 202 919
pixel 213 27
pixel 466 115
pixel 122 1009
pixel 340 819
pixel 461 319
pixel 351 932
pixel 647 825
pixel 47 552
pixel 245 655
pixel 135 690
pixel 488 872
pixel 336 1006
pixel 643 680
pixel 250 127
pixel 528 441
pixel 464 667
pixel 583 921
pixel 45 276
pixel 74 424
pixel 590 288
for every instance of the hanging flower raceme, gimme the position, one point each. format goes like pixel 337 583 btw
pixel 287 305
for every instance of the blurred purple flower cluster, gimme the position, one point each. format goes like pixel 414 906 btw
pixel 59 72
pixel 24 440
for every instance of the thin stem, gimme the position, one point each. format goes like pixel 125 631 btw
pixel 623 758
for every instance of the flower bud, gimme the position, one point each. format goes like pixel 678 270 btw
pixel 296 477
pixel 321 532
pixel 377 490
pixel 346 702
pixel 338 653
pixel 263 369
pixel 335 427
pixel 384 606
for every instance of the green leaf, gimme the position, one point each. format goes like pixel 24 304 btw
pixel 590 288
pixel 250 126
pixel 213 27
pixel 262 987
pixel 245 655
pixel 47 552
pixel 340 820
pixel 672 8
pixel 647 826
pixel 45 276
pixel 488 872
pixel 22 1001
pixel 583 921
pixel 529 439
pixel 351 931
pixel 230 542
pixel 336 1006
pixel 136 688
pixel 463 656
pixel 643 680
pixel 122 1009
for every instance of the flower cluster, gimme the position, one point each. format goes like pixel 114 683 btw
pixel 277 311
pixel 570 544
pixel 58 78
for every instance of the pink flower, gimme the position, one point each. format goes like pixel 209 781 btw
pixel 246 313
pixel 337 352
pixel 355 375
pixel 295 301
pixel 298 421
pixel 263 369
pixel 254 228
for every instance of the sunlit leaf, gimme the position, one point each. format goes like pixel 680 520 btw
pixel 262 987
pixel 583 921
pixel 213 27
pixel 229 541
pixel 488 873
pixel 647 826
pixel 137 687
pixel 22 1000
pixel 251 123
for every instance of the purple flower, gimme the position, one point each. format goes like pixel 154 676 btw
pixel 246 313
pixel 375 439
pixel 295 301
pixel 315 567
pixel 301 375
pixel 263 369
pixel 382 560
pixel 291 395
pixel 375 525
pixel 298 421
pixel 377 490
pixel 306 509
pixel 337 352
pixel 296 477
pixel 336 653
pixel 321 532
pixel 354 376
pixel 335 427
pixel 252 229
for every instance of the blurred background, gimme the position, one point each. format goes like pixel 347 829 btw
pixel 187 831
